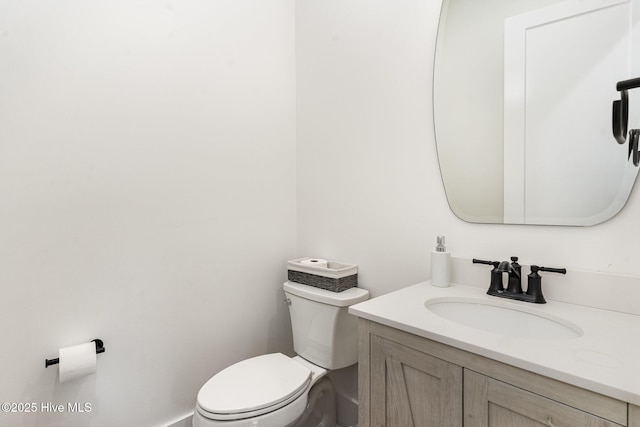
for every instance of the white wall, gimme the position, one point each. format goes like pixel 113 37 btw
pixel 147 198
pixel 148 182
pixel 369 187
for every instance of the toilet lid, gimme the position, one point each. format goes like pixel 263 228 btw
pixel 253 385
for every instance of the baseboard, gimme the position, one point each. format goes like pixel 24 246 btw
pixel 183 421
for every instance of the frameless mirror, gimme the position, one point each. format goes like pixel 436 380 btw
pixel 523 93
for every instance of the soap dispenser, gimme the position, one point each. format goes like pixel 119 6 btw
pixel 440 265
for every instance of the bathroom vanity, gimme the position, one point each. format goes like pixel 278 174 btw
pixel 419 366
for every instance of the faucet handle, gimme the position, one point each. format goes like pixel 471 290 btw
pixel 481 261
pixel 550 269
pixel 495 286
pixel 534 285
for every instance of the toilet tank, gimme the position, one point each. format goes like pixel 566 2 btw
pixel 324 333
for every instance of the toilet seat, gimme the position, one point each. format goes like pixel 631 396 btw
pixel 253 387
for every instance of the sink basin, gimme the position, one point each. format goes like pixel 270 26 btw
pixel 504 318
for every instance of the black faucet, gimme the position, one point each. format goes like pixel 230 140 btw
pixel 515 274
pixel 514 286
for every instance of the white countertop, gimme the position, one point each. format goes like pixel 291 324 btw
pixel 605 359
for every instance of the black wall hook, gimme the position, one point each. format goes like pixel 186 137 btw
pixel 628 84
pixel 634 140
pixel 620 119
pixel 99 349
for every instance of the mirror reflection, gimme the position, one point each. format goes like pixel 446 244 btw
pixel 523 93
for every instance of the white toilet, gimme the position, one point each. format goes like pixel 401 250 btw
pixel 275 390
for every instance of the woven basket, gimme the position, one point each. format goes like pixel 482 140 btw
pixel 335 277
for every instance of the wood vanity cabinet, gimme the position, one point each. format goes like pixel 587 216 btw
pixel 406 380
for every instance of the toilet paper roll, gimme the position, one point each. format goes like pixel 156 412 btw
pixel 77 361
pixel 315 262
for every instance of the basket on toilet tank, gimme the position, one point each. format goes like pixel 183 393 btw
pixel 323 274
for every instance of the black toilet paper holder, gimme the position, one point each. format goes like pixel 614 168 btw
pixel 99 349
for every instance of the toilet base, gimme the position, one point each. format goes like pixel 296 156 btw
pixel 321 406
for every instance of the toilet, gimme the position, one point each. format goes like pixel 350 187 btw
pixel 275 390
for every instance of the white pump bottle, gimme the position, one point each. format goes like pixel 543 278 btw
pixel 440 265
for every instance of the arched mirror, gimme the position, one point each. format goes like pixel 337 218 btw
pixel 523 95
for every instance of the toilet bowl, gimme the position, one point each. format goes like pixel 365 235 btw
pixel 268 390
pixel 275 390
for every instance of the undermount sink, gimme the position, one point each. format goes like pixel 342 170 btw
pixel 503 318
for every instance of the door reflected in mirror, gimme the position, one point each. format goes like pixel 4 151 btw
pixel 523 93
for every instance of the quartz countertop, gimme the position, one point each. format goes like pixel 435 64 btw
pixel 605 359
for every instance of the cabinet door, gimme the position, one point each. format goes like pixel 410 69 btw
pixel 492 403
pixel 410 388
pixel 634 416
